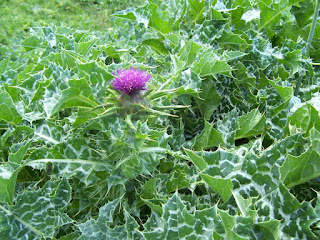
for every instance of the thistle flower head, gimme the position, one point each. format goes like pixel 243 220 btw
pixel 130 81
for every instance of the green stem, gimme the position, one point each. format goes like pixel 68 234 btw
pixel 313 27
pixel 67 160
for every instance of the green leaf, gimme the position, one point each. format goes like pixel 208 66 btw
pixel 208 63
pixel 221 186
pixel 177 180
pixel 161 20
pixel 227 127
pixel 148 189
pixel 156 44
pixel 8 178
pixel 300 169
pixel 251 124
pixel 133 14
pixel 30 43
pixel 197 8
pixel 83 48
pixel 270 228
pixel 303 14
pixel 229 223
pixel 132 227
pixel 78 94
pixel 101 228
pixel 230 39
pixel 8 111
pixel 294 60
pixel 209 99
pixel 70 236
pixel 305 118
pixel 95 73
pixel 242 76
pixel 188 52
pixel 243 205
pixel 154 205
pixel 197 160
pixel 67 59
pixel 177 223
pixel 18 151
pixel 208 138
pixel 286 93
pixel 143 163
pixel 276 120
pixel 271 15
pixel 190 82
pixel 283 205
pixel 9 172
pixel 37 214
pixel 177 63
pixel 232 55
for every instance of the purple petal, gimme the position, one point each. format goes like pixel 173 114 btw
pixel 130 81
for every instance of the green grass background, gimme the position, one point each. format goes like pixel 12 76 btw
pixel 17 16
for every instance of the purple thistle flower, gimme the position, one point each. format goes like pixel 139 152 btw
pixel 130 81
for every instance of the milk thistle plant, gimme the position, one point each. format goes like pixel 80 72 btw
pixel 135 96
pixel 203 138
pixel 130 83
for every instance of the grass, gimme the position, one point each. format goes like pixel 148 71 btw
pixel 17 16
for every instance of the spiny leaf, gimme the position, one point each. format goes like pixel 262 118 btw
pixel 222 186
pixel 208 138
pixel 300 169
pixel 8 111
pixel 177 223
pixel 251 124
pixel 38 213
